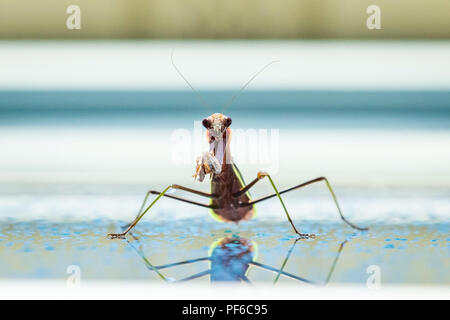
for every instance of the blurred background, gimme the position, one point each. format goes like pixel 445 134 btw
pixel 93 118
pixel 245 19
pixel 96 108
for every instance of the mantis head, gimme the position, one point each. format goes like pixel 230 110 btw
pixel 218 134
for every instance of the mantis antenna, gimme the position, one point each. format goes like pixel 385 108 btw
pixel 184 78
pixel 247 83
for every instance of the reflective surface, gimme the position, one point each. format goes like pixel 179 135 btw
pixel 405 253
pixel 69 176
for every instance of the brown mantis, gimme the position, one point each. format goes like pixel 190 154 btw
pixel 229 198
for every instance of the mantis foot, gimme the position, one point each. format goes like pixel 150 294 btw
pixel 306 235
pixel 116 236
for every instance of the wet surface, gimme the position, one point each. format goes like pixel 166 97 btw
pixel 410 253
pixel 75 165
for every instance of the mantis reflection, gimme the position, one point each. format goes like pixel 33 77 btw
pixel 230 259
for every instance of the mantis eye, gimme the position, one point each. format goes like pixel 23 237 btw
pixel 227 122
pixel 206 123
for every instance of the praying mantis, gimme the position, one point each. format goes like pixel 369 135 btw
pixel 229 199
pixel 230 259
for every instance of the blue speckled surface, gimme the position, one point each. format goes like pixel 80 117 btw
pixel 410 253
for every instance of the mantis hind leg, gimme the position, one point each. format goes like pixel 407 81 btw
pixel 278 194
pixel 260 176
pixel 160 194
pixel 174 186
